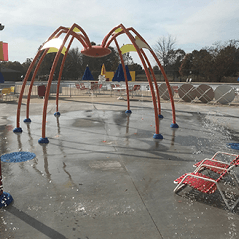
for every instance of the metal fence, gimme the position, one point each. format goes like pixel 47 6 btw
pixel 182 92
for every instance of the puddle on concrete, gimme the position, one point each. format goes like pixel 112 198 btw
pixel 103 165
pixel 4 139
pixel 119 118
pixel 208 134
pixel 88 122
pixel 191 140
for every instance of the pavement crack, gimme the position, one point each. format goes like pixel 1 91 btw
pixel 125 168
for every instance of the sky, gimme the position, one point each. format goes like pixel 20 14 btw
pixel 193 23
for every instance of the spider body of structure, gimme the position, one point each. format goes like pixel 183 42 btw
pixel 96 51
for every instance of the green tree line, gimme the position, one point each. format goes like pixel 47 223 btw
pixel 210 64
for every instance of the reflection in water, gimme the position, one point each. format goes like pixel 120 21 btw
pixel 119 119
pixel 61 147
pixel 30 140
pixel 127 124
pixel 3 139
pixel 232 226
pixel 48 175
pixel 156 144
pixel 173 136
pixel 58 126
pixel 22 165
pixel 127 130
pixel 19 142
pixel 69 175
pixel 30 136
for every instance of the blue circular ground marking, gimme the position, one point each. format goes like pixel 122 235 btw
pixel 17 157
pixel 233 146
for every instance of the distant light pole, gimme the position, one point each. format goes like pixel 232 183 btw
pixel 1 28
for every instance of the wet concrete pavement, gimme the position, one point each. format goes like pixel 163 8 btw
pixel 103 176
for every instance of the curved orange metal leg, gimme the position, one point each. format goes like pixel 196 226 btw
pixel 43 139
pixel 155 82
pixel 31 85
pixel 103 44
pixel 125 76
pixel 18 129
pixel 27 120
pixel 174 125
pixel 157 135
pixel 57 114
pixel 106 44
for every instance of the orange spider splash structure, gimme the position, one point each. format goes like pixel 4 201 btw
pixel 54 44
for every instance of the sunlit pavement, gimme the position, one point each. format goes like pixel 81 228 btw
pixel 104 176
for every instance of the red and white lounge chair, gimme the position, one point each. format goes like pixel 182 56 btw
pixel 205 183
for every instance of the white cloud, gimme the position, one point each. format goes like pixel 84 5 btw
pixel 28 49
pixel 194 23
pixel 217 21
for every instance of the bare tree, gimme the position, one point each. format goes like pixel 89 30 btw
pixel 213 63
pixel 128 60
pixel 164 49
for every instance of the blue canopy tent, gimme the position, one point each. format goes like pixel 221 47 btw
pixel 87 75
pixel 119 74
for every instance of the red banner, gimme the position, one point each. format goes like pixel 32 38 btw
pixel 3 51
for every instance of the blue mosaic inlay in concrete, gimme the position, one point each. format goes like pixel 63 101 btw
pixel 17 157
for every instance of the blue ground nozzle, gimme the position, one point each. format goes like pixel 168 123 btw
pixel 17 130
pixel 43 141
pixel 5 199
pixel 158 136
pixel 57 114
pixel 27 120
pixel 128 112
pixel 174 126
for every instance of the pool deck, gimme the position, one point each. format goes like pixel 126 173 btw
pixel 103 176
